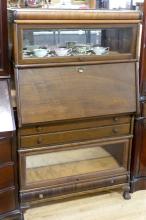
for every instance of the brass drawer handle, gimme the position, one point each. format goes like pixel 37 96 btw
pixel 39 129
pixel 81 70
pixel 115 119
pixel 112 180
pixel 115 130
pixel 39 140
pixel 41 196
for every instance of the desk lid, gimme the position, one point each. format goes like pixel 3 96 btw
pixel 72 92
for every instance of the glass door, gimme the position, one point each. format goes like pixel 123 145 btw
pixel 54 167
pixel 39 45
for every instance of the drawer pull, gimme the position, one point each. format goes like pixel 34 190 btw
pixel 39 129
pixel 41 196
pixel 39 140
pixel 112 180
pixel 115 130
pixel 80 70
pixel 115 119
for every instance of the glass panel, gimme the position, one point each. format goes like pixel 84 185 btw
pixel 41 43
pixel 61 164
pixel 54 4
pixel 74 4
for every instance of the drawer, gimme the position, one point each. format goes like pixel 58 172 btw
pixel 79 124
pixel 5 151
pixel 74 135
pixel 6 176
pixel 7 201
pixel 74 188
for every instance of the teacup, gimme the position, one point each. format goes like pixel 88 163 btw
pixel 62 51
pixel 100 50
pixel 70 44
pixel 82 49
pixel 40 52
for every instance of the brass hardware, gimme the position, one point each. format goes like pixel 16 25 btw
pixel 80 70
pixel 115 130
pixel 41 196
pixel 112 180
pixel 115 119
pixel 39 129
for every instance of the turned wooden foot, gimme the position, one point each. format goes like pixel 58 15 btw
pixel 126 193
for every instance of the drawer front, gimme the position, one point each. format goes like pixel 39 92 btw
pixel 89 123
pixel 74 135
pixel 6 176
pixel 7 201
pixel 65 190
pixel 5 151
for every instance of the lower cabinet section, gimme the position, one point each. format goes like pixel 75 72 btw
pixel 7 200
pixel 64 170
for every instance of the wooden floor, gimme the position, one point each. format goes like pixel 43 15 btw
pixel 107 206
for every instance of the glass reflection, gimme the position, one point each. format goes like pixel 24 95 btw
pixel 76 42
pixel 61 164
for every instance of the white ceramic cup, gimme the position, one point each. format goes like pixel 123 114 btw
pixel 62 51
pixel 101 50
pixel 40 52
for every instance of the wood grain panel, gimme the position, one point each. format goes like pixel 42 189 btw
pixel 6 176
pixel 75 15
pixel 5 150
pixel 7 200
pixel 142 162
pixel 51 94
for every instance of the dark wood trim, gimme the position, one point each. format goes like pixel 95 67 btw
pixel 4 66
pixel 138 184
